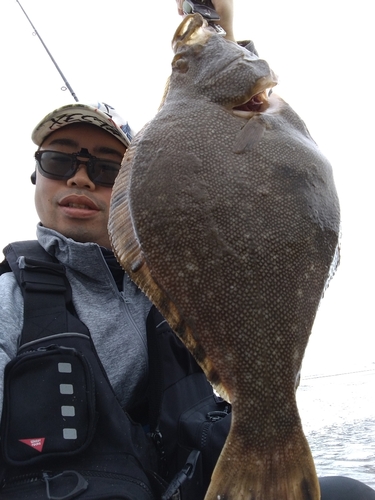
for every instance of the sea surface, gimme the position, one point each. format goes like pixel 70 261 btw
pixel 338 417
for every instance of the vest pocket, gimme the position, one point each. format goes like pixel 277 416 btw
pixel 49 405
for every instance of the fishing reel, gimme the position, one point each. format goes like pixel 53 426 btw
pixel 206 9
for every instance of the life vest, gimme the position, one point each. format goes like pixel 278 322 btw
pixel 63 433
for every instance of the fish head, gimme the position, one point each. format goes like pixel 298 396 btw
pixel 217 69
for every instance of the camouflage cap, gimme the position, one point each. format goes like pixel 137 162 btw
pixel 100 114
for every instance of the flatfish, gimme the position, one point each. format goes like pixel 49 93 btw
pixel 225 214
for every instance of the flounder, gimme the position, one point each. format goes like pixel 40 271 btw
pixel 225 214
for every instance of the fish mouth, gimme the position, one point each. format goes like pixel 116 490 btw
pixel 256 104
pixel 259 99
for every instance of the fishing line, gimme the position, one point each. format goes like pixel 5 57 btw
pixel 311 377
pixel 49 53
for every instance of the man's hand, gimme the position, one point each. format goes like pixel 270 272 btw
pixel 225 10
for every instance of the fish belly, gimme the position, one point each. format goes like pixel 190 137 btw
pixel 235 249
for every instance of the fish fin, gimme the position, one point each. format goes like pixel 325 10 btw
pixel 264 474
pixel 166 90
pixel 249 135
pixel 129 253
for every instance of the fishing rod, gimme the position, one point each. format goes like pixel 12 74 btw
pixel 49 53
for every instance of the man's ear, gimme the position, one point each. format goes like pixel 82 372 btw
pixel 33 178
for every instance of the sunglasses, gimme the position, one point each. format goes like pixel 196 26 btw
pixel 58 166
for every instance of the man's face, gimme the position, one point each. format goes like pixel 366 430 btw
pixel 76 207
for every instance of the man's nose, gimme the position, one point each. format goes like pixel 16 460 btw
pixel 81 178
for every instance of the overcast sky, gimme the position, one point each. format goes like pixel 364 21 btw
pixel 118 51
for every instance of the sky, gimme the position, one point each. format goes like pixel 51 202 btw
pixel 119 52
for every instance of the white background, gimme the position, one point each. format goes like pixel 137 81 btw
pixel 118 51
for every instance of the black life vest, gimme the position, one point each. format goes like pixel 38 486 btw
pixel 64 434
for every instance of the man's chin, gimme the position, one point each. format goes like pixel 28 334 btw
pixel 84 234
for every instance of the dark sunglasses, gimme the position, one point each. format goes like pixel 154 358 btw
pixel 58 166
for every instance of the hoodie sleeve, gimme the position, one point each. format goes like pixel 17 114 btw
pixel 11 322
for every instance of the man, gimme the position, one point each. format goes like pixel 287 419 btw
pixel 157 383
pixel 75 203
pixel 80 149
pixel 79 155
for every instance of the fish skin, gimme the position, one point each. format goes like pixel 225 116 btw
pixel 230 223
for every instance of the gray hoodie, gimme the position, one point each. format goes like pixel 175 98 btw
pixel 117 321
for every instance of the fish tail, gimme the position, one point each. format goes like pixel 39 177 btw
pixel 278 474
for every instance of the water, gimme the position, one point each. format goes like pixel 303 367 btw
pixel 338 416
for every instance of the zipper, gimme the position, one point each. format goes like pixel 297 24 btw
pixel 212 417
pixel 157 438
pixel 129 317
pixel 21 480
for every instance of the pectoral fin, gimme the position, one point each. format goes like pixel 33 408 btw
pixel 249 135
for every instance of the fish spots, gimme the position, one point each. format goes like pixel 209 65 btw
pixel 239 246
